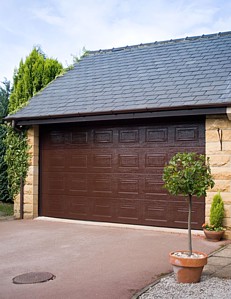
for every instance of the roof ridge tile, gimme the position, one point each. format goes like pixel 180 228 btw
pixel 170 41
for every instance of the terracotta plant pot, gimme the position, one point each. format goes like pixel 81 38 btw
pixel 213 235
pixel 188 269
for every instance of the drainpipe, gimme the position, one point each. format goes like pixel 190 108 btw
pixel 21 197
pixel 19 130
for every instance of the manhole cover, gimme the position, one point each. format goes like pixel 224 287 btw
pixel 33 277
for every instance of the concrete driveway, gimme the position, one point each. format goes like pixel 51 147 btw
pixel 88 261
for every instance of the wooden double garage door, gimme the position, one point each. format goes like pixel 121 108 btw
pixel 113 172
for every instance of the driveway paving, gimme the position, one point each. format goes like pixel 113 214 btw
pixel 89 261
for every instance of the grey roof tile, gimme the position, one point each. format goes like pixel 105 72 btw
pixel 184 72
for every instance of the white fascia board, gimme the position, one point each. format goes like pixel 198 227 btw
pixel 228 112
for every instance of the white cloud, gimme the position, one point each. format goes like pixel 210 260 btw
pixel 63 27
pixel 45 14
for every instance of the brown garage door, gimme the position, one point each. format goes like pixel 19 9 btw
pixel 113 172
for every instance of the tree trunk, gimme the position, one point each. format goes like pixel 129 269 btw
pixel 189 225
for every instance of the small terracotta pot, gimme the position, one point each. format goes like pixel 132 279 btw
pixel 188 270
pixel 213 235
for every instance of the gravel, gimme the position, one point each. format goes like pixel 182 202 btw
pixel 209 287
pixel 183 254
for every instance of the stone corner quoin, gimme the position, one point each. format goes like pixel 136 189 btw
pixel 219 151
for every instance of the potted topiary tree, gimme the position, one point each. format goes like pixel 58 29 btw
pixel 214 231
pixel 188 174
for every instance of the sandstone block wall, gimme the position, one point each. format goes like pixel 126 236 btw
pixel 31 183
pixel 218 148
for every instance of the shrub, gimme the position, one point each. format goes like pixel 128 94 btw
pixel 217 211
pixel 4 188
pixel 4 97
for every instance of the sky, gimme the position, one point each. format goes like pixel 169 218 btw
pixel 63 27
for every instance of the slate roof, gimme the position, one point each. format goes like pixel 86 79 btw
pixel 181 73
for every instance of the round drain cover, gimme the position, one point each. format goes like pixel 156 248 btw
pixel 33 277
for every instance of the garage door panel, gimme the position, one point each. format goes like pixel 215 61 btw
pixel 100 185
pixel 79 208
pixel 128 185
pixel 179 213
pixel 54 205
pixel 114 172
pixel 80 138
pixel 181 209
pixel 188 136
pixel 128 210
pixel 129 137
pixel 127 161
pixel 198 214
pixel 54 139
pixel 153 160
pixel 77 184
pixel 155 212
pixel 54 160
pixel 101 161
pixel 77 161
pixel 103 137
pixel 154 186
pixel 103 209
pixel 54 183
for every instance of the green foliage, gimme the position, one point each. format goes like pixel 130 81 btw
pixel 52 68
pixel 4 191
pixel 188 174
pixel 32 75
pixel 212 227
pixel 217 211
pixel 17 158
pixel 4 97
pixel 77 58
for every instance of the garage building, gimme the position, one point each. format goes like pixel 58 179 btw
pixel 102 133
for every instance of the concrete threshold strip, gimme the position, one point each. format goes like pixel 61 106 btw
pixel 120 225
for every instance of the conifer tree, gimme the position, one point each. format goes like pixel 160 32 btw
pixel 32 75
pixel 4 98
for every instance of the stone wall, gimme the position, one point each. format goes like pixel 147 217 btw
pixel 31 183
pixel 219 151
